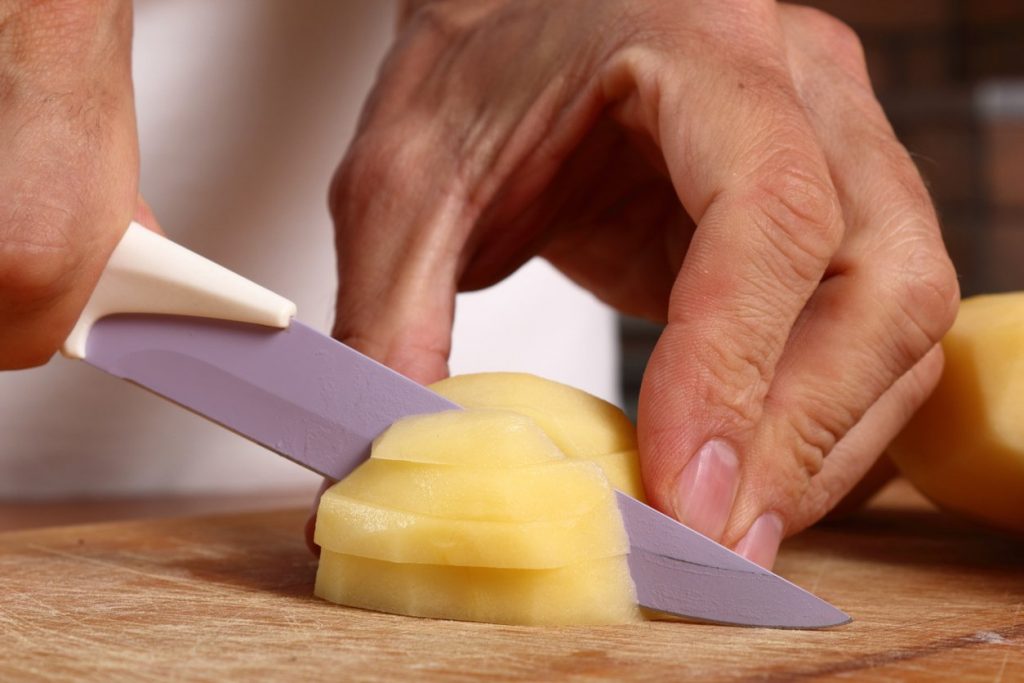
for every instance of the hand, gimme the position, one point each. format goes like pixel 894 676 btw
pixel 68 165
pixel 719 165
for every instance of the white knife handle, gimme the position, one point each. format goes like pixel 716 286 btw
pixel 148 273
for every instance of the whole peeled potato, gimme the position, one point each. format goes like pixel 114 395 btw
pixel 964 448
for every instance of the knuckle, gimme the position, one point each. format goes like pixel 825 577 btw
pixel 434 16
pixel 372 168
pixel 441 19
pixel 790 449
pixel 376 173
pixel 929 292
pixel 340 193
pixel 832 33
pixel 798 211
pixel 914 273
pixel 832 39
pixel 845 44
pixel 841 39
pixel 808 436
pixel 735 379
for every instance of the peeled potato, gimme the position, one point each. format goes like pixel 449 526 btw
pixel 581 425
pixel 964 448
pixel 583 593
pixel 623 471
pixel 564 488
pixel 457 438
pixel 488 514
pixel 380 533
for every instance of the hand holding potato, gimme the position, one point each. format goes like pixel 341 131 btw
pixel 721 167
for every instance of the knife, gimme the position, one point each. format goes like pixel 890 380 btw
pixel 192 331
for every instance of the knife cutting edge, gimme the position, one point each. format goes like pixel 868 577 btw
pixel 227 349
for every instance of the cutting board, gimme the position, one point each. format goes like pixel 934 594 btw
pixel 229 597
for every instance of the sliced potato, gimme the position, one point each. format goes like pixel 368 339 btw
pixel 348 526
pixel 594 592
pixel 581 425
pixel 501 512
pixel 623 471
pixel 557 490
pixel 477 438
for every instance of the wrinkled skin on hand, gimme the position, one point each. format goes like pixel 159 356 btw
pixel 720 166
pixel 68 165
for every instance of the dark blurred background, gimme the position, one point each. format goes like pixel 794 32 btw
pixel 950 74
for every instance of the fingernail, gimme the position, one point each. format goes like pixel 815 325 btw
pixel 706 488
pixel 761 544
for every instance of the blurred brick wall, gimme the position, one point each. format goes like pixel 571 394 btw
pixel 950 74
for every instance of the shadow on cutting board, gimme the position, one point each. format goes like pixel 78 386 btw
pixel 900 535
pixel 264 552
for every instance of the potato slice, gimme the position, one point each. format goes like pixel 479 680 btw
pixel 348 526
pixel 594 592
pixel 964 448
pixel 557 490
pixel 623 471
pixel 478 438
pixel 582 426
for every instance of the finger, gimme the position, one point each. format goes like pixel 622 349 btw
pixel 68 173
pixel 397 264
pixel 890 295
pixel 309 531
pixel 748 169
pixel 431 166
pixel 401 216
pixel 310 527
pixel 852 460
pixel 398 225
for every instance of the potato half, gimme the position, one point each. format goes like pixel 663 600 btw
pixel 964 448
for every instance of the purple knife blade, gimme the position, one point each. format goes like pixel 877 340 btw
pixel 295 391
pixel 673 565
pixel 320 404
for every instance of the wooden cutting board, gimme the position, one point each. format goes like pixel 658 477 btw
pixel 229 598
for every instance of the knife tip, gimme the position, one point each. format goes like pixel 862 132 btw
pixel 830 618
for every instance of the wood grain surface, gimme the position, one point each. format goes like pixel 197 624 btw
pixel 228 597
